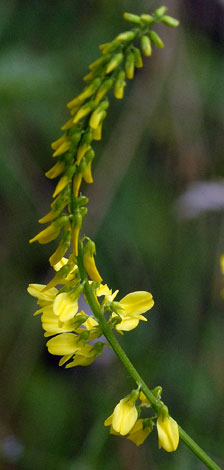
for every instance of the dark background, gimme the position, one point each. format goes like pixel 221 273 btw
pixel 156 214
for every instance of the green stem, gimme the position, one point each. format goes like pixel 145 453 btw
pixel 156 404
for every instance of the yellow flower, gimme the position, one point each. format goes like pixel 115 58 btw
pixel 47 235
pixel 64 344
pixel 132 307
pixel 168 433
pixel 65 306
pixel 86 355
pixel 139 432
pixel 89 261
pixel 52 326
pixel 124 415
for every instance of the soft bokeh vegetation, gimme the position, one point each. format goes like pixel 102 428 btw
pixel 145 216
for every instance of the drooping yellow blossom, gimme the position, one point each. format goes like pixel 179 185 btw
pixel 133 306
pixel 47 235
pixel 125 415
pixel 140 431
pixel 89 261
pixel 62 149
pixel 168 433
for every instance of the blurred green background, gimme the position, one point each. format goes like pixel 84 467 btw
pixel 156 214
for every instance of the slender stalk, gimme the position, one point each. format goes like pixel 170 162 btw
pixel 156 404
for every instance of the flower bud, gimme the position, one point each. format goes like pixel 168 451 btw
pixel 114 62
pixel 83 111
pixel 138 58
pixel 146 46
pixel 62 248
pixel 76 226
pixel 160 12
pixel 130 65
pixel 84 145
pixel 89 261
pixel 98 114
pixel 169 21
pixel 62 149
pixel 56 170
pixel 48 234
pixel 64 180
pixel 131 18
pixel 67 125
pixel 87 92
pixel 126 36
pixel 156 40
pixel 119 85
pixel 146 19
pixel 57 143
pixel 103 90
pixel 87 174
pixel 109 46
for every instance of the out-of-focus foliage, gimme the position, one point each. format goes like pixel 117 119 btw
pixel 165 135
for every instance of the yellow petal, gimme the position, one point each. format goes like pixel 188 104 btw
pixel 138 433
pixel 47 235
pixel 36 291
pixel 57 143
pixel 103 290
pixel 63 344
pixel 65 307
pixel 168 433
pixel 127 324
pixel 108 421
pixel 90 266
pixel 62 149
pixel 124 417
pixel 60 264
pixel 136 302
pixel 56 170
pixel 64 180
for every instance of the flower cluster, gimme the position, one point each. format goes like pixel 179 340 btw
pixel 72 330
pixel 125 421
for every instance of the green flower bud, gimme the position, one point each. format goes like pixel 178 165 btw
pixel 130 65
pixel 138 58
pixel 82 201
pixel 169 21
pixel 126 36
pixel 83 111
pixel 62 248
pixel 146 46
pixel 119 85
pixel 156 40
pixel 131 18
pixel 110 46
pixel 146 19
pixel 160 12
pixel 114 62
pixel 103 90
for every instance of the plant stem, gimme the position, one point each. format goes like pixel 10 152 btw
pixel 156 404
